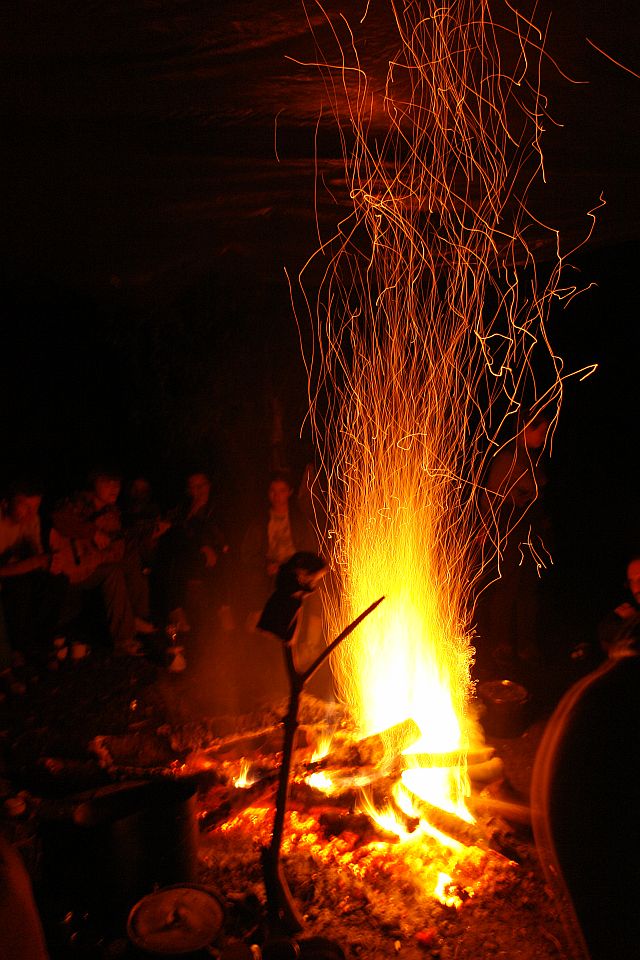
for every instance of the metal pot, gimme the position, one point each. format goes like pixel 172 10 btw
pixel 176 921
pixel 104 849
pixel 506 706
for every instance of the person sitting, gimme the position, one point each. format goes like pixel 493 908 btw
pixel 616 629
pixel 508 608
pixel 142 519
pixel 94 554
pixel 192 555
pixel 29 589
pixel 270 540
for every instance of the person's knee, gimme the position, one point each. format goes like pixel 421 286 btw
pixel 21 936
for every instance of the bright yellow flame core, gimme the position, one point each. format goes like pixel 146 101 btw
pixel 244 780
pixel 411 658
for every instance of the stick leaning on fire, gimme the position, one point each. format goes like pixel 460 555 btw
pixel 296 579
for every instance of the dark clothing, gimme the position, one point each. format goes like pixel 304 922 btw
pixel 508 608
pixel 32 606
pixel 140 520
pixel 115 570
pixel 181 560
pixel 30 598
pixel 585 800
pixel 619 627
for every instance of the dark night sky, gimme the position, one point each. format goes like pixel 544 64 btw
pixel 147 223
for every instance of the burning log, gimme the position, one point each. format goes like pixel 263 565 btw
pixel 372 751
pixel 360 825
pixel 487 772
pixel 384 799
pixel 470 834
pixel 235 799
pixel 306 795
pixel 454 758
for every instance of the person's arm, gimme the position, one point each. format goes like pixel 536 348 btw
pixel 18 568
pixel 26 555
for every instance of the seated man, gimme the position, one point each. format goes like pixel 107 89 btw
pixel 190 566
pixel 94 553
pixel 29 593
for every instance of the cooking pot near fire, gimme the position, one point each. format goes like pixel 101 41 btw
pixel 105 849
pixel 176 921
pixel 506 707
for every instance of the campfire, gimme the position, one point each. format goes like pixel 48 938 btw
pixel 359 840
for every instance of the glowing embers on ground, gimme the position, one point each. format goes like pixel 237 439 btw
pixel 399 880
pixel 358 807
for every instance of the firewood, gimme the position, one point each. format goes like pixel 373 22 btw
pixel 518 813
pixel 470 834
pixel 453 758
pixel 373 750
pixel 234 800
pixel 383 799
pixel 487 772
pixel 305 796
pixel 335 823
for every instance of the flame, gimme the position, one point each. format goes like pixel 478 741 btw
pixel 243 780
pixel 321 781
pixel 430 348
pixel 322 747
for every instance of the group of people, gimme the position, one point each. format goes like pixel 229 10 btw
pixel 150 571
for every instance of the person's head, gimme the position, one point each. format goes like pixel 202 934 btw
pixel 535 431
pixel 140 489
pixel 280 490
pixel 24 500
pixel 633 578
pixel 106 485
pixel 198 487
pixel 24 506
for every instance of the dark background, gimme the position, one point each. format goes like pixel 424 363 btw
pixel 159 177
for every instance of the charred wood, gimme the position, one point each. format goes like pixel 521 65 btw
pixel 233 800
pixel 359 825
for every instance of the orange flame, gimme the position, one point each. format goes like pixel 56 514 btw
pixel 243 780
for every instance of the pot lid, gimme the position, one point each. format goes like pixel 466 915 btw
pixel 176 920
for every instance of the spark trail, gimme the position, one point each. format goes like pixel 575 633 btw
pixel 431 345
